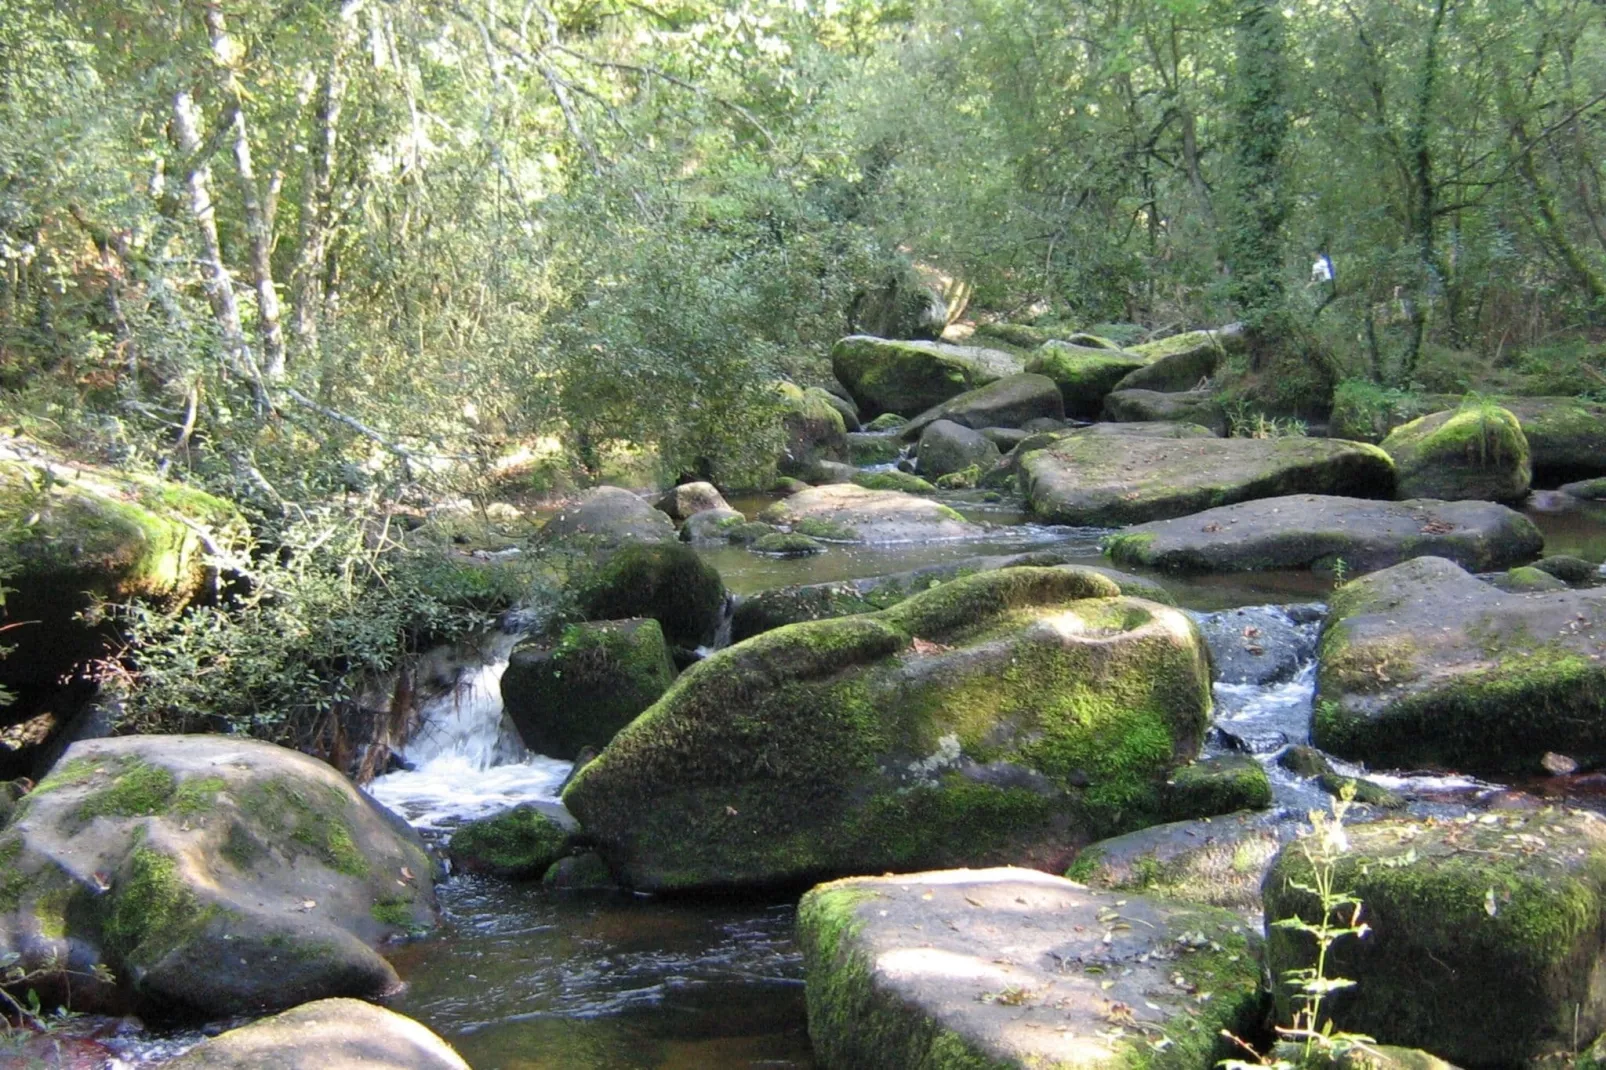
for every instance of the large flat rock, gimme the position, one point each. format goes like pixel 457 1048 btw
pixel 1111 480
pixel 1014 968
pixel 329 1034
pixel 1317 530
pixel 1008 402
pixel 1423 664
pixel 872 516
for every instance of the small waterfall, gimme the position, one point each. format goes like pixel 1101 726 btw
pixel 466 759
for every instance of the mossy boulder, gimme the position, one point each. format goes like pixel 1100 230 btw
pixel 964 479
pixel 1111 480
pixel 1423 664
pixel 1199 407
pixel 776 608
pixel 875 515
pixel 1573 571
pixel 710 527
pixel 1180 362
pixel 1487 933
pixel 887 421
pixel 867 448
pixel 1008 968
pixel 215 876
pixel 1317 531
pixel 814 430
pixel 1004 717
pixel 1476 452
pixel 1214 786
pixel 947 447
pixel 899 482
pixel 1009 402
pixel 1225 339
pixel 747 533
pixel 688 499
pixel 1219 861
pixel 1019 335
pixel 1566 436
pixel 577 689
pixel 607 516
pixel 1528 579
pixel 1083 374
pixel 669 583
pixel 1309 762
pixel 581 872
pixel 842 402
pixel 1588 490
pixel 516 844
pixel 80 533
pixel 327 1034
pixel 910 377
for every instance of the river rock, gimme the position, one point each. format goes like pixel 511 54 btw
pixel 1181 362
pixel 669 583
pixel 910 377
pixel 1566 436
pixel 1005 438
pixel 1145 430
pixel 1506 908
pixel 579 688
pixel 1573 571
pixel 1008 968
pixel 1588 490
pixel 1219 861
pixel 689 499
pixel 947 447
pixel 1258 645
pixel 1110 480
pixel 814 430
pixel 842 402
pixel 1083 374
pixel 920 735
pixel 1200 407
pixel 875 516
pixel 608 516
pixel 213 875
pixel 1527 579
pixel 711 527
pixel 895 480
pixel 81 533
pixel 328 1034
pixel 1423 664
pixel 866 448
pixel 516 844
pixel 1468 453
pixel 1009 402
pixel 1220 785
pixel 1316 531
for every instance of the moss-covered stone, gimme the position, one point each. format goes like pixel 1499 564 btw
pixel 1474 452
pixel 964 479
pixel 324 1035
pixel 212 875
pixel 788 544
pixel 1195 407
pixel 605 517
pixel 818 527
pixel 1217 861
pixel 1423 664
pixel 1528 579
pixel 947 447
pixel 581 872
pixel 868 449
pixel 887 421
pixel 1573 571
pixel 1009 402
pixel 1486 933
pixel 1006 716
pixel 669 583
pixel 874 515
pixel 814 430
pixel 517 844
pixel 1007 969
pixel 747 532
pixel 1113 480
pixel 902 482
pixel 1083 374
pixel 1217 786
pixel 910 377
pixel 579 689
pixel 1180 362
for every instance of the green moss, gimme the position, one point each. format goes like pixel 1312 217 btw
pixel 1217 786
pixel 318 819
pixel 150 910
pixel 1128 549
pixel 742 533
pixel 395 911
pixel 670 583
pixel 1084 375
pixel 874 449
pixel 50 912
pixel 964 479
pixel 196 796
pixel 522 842
pixel 787 545
pixel 138 789
pixel 592 682
pixel 816 527
pixel 899 481
pixel 1478 451
pixel 12 880
pixel 887 421
pixel 1526 578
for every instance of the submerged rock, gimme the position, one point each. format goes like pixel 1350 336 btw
pixel 946 448
pixel 1009 402
pixel 1423 664
pixel 1486 933
pixel 214 876
pixel 1468 453
pixel 910 377
pixel 1008 968
pixel 1110 480
pixel 669 583
pixel 328 1034
pixel 874 515
pixel 1317 531
pixel 577 689
pixel 609 516
pixel 1004 717
pixel 1200 407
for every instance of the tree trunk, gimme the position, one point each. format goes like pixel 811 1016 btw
pixel 1424 199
